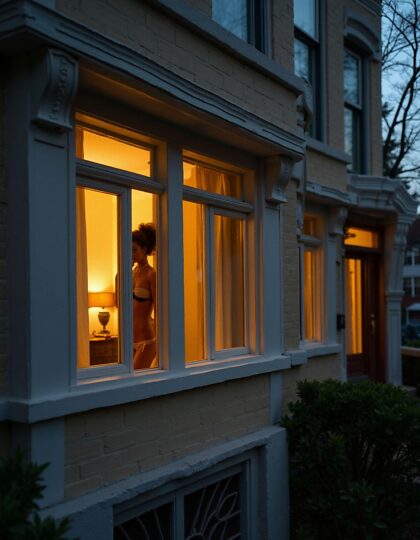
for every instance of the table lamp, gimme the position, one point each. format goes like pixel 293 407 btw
pixel 102 300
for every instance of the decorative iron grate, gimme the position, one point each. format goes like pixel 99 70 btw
pixel 152 525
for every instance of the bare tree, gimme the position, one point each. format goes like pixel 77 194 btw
pixel 401 90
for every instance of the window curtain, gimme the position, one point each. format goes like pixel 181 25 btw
pixel 228 266
pixel 83 355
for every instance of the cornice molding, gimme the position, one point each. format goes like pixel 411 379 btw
pixel 24 24
pixel 329 195
pixel 384 194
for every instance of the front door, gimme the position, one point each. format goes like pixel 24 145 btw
pixel 363 318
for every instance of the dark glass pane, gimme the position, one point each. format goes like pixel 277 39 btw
pixel 305 16
pixel 214 511
pixel 152 525
pixel 302 60
pixel 351 78
pixel 407 286
pixel 416 286
pixel 352 137
pixel 232 15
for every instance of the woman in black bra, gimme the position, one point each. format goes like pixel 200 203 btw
pixel 144 296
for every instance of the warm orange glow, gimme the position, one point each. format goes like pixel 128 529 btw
pixel 353 283
pixel 229 279
pixel 311 309
pixel 309 226
pixel 361 238
pixel 101 148
pixel 101 299
pixel 213 180
pixel 194 284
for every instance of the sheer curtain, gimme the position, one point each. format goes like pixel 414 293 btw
pixel 228 268
pixel 81 271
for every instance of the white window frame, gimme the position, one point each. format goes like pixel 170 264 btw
pixel 216 204
pixel 118 182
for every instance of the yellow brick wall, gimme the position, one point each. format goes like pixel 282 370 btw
pixel 3 285
pixel 152 33
pixel 290 271
pixel 321 368
pixel 326 171
pixel 110 444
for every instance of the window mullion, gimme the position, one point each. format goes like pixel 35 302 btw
pixel 210 283
pixel 125 265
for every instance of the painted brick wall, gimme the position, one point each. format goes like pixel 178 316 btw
pixel 3 285
pixel 290 272
pixel 155 35
pixel 321 368
pixel 110 444
pixel 326 171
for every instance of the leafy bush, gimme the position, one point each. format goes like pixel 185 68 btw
pixel 20 486
pixel 354 462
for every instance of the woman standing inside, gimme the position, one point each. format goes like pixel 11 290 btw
pixel 144 296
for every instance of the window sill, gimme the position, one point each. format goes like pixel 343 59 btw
pixel 327 150
pixel 320 349
pixel 118 391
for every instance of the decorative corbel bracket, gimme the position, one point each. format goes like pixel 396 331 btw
pixel 55 85
pixel 278 171
pixel 337 218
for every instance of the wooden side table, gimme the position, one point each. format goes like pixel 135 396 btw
pixel 103 350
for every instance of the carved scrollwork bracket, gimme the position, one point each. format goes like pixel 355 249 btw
pixel 337 218
pixel 56 80
pixel 278 171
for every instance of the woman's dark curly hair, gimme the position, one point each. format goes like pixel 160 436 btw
pixel 145 237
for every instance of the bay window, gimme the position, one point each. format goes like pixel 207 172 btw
pixel 117 306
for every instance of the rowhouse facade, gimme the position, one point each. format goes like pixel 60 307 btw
pixel 244 138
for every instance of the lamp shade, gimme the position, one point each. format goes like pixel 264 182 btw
pixel 100 299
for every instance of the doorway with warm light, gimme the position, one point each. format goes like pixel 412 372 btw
pixel 363 312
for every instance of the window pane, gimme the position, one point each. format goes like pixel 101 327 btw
pixel 232 15
pixel 229 282
pixel 207 179
pixel 154 524
pixel 305 16
pixel 97 265
pixel 416 286
pixel 144 279
pixel 407 286
pixel 361 238
pixel 311 297
pixel 302 60
pixel 353 284
pixel 194 282
pixel 351 78
pixel 352 137
pixel 101 148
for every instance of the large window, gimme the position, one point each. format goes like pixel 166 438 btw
pixel 353 108
pixel 244 18
pixel 215 263
pixel 311 282
pixel 306 52
pixel 115 253
pixel 116 222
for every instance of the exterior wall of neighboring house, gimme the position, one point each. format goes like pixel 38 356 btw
pixel 163 76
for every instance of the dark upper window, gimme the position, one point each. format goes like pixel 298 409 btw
pixel 306 50
pixel 244 18
pixel 353 109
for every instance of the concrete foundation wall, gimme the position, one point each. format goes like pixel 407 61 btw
pixel 111 444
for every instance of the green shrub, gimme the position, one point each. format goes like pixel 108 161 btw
pixel 354 462
pixel 20 487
